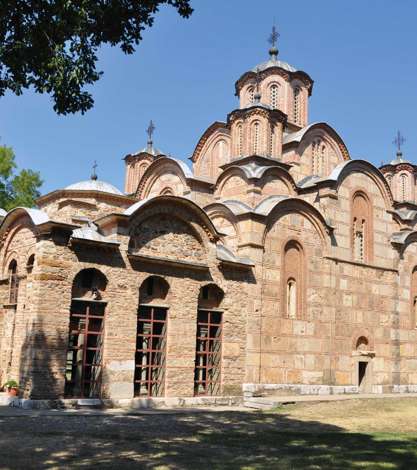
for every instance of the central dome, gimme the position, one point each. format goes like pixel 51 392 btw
pixel 95 185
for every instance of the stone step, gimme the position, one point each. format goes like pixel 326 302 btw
pixel 261 403
pixel 5 399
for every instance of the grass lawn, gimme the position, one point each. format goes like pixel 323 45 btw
pixel 354 434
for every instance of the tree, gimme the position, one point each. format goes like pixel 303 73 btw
pixel 52 45
pixel 16 189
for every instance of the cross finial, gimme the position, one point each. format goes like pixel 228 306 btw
pixel 398 142
pixel 273 37
pixel 150 130
pixel 94 174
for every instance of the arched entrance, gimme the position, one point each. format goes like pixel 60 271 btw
pixel 363 366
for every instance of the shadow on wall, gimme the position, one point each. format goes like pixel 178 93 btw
pixel 218 440
pixel 42 363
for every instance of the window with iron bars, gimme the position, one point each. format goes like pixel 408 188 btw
pixel 207 372
pixel 150 352
pixel 85 350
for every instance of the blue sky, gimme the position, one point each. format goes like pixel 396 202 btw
pixel 360 53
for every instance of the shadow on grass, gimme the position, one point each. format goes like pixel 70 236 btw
pixel 206 440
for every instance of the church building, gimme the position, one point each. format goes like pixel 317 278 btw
pixel 273 264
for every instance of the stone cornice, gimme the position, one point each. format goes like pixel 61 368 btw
pixel 398 167
pixel 83 193
pixel 259 159
pixel 257 109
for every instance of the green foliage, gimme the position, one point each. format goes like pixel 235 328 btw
pixel 52 45
pixel 16 189
pixel 11 384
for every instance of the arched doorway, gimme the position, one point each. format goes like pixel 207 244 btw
pixel 207 372
pixel 364 365
pixel 83 373
pixel 151 336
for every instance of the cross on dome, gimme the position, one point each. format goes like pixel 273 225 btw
pixel 398 142
pixel 94 173
pixel 273 38
pixel 150 130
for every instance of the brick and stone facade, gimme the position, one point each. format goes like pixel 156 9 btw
pixel 306 258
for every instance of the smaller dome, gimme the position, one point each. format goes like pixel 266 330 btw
pixel 94 185
pixel 151 150
pixel 399 159
pixel 274 63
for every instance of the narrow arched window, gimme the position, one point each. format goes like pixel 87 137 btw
pixel 256 138
pixel 250 95
pixel 239 144
pixel 359 235
pixel 291 298
pixel 361 228
pixel 389 180
pixel 404 187
pixel 13 283
pixel 413 293
pixel 273 96
pixel 296 105
pixel 293 280
pixel 315 149
pixel 322 160
pixel 30 263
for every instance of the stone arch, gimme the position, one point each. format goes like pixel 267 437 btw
pixel 183 208
pixel 278 208
pixel 273 175
pixel 163 172
pixel 212 151
pixel 340 173
pixel 225 222
pixel 319 152
pixel 89 284
pixel 167 191
pixel 210 296
pixel 362 338
pixel 232 183
pixel 154 290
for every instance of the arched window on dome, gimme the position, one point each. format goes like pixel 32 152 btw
pixel 389 180
pixel 322 160
pixel 297 105
pixel 274 96
pixel 271 142
pixel 239 140
pixel 250 95
pixel 404 187
pixel 256 138
pixel 361 228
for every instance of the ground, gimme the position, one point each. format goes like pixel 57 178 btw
pixel 354 434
